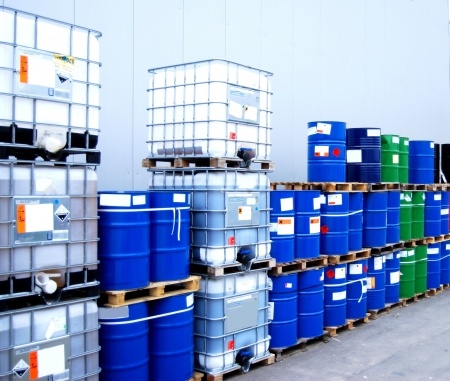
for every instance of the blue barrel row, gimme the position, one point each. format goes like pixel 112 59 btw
pixel 336 153
pixel 144 237
pixel 305 303
pixel 306 224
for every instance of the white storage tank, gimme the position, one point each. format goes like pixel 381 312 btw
pixel 48 223
pixel 229 213
pixel 49 81
pixel 59 342
pixel 231 321
pixel 212 108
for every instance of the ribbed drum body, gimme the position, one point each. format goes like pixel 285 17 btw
pixel 421 162
pixel 392 277
pixel 334 223
pixel 282 221
pixel 307 224
pixel 390 158
pixel 357 289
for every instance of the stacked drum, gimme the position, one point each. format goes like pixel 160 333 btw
pixel 49 108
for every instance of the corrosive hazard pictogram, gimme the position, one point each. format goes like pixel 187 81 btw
pixel 62 213
pixel 21 368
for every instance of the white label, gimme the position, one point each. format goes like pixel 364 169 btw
pixel 364 288
pixel 321 276
pixel 384 258
pixel 395 139
pixel 406 142
pixel 434 250
pixel 251 113
pixel 323 199
pixel 139 200
pixel 56 324
pixel 51 361
pixel 251 201
pixel 395 159
pixel 377 263
pixel 285 225
pixel 335 199
pixel 235 109
pixel 189 300
pixel 432 145
pixel 444 212
pixel 324 128
pixel 395 277
pixel 370 283
pixel 373 132
pixel 411 253
pixel 339 273
pixel 248 285
pixel 390 256
pixel 316 203
pixel 354 156
pixel 123 200
pixel 314 225
pixel 437 197
pixel 273 227
pixel 39 217
pixel 270 310
pixel 44 185
pixel 288 285
pixel 321 151
pixel 244 213
pixel 403 254
pixel 339 295
pixel 179 197
pixel 355 269
pixel 312 131
pixel 407 198
pixel 287 204
pixel 447 246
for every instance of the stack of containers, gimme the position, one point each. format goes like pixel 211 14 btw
pixel 49 105
pixel 220 109
pixel 390 149
pixel 421 162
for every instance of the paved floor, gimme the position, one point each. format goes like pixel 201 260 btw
pixel 410 343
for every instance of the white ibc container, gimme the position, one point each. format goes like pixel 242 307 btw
pixel 64 339
pixel 57 232
pixel 229 212
pixel 49 78
pixel 209 108
pixel 231 319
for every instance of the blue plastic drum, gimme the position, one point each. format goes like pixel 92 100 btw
pixel 392 277
pixel 355 221
pixel 375 219
pixel 444 212
pixel 357 289
pixel 307 224
pixel 334 215
pixel 445 262
pixel 376 283
pixel 393 217
pixel 421 162
pixel 282 220
pixel 434 265
pixel 335 303
pixel 432 223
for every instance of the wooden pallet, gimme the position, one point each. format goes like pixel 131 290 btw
pixel 300 345
pixel 324 187
pixel 435 291
pixel 349 325
pixel 197 376
pixel 232 268
pixel 437 187
pixel 377 251
pixel 299 265
pixel 155 290
pixel 415 298
pixel 383 187
pixel 263 361
pixel 349 257
pixel 445 286
pixel 203 162
pixel 373 314
pixel 418 187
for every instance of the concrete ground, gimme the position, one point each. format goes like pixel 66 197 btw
pixel 410 343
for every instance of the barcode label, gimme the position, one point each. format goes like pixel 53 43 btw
pixel 60 235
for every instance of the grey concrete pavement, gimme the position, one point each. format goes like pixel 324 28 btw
pixel 410 343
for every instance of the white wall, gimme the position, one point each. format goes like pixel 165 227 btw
pixel 378 63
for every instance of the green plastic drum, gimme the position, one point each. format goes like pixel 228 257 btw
pixel 403 160
pixel 418 215
pixel 405 215
pixel 421 269
pixel 407 272
pixel 390 158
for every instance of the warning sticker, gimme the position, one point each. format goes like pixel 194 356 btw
pixel 21 368
pixel 287 204
pixel 340 273
pixel 62 212
pixel 314 225
pixel 335 199
pixel 395 277
pixel 371 283
pixel 336 152
pixel 285 225
pixel 324 128
pixel 324 229
pixel 378 263
pixel 355 269
pixel 321 151
pixel 244 213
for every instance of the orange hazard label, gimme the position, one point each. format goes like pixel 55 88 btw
pixel 314 220
pixel 20 218
pixel 23 69
pixel 285 221
pixel 34 365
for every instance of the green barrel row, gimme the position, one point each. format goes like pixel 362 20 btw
pixel 413 271
pixel 394 159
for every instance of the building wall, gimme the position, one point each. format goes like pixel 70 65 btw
pixel 370 63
